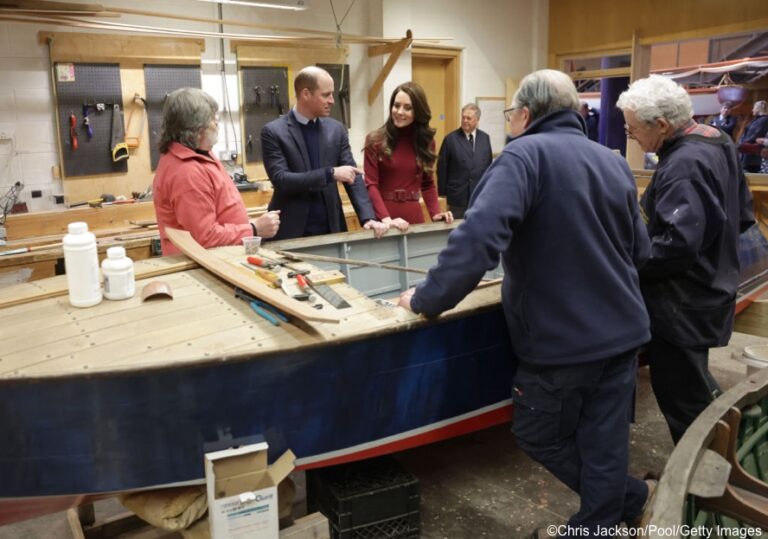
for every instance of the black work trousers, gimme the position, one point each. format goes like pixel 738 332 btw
pixel 681 381
pixel 574 420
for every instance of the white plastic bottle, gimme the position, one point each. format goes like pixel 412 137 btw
pixel 119 279
pixel 81 263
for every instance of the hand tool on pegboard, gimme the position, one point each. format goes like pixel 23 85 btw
pixel 73 131
pixel 131 141
pixel 87 121
pixel 117 144
pixel 275 98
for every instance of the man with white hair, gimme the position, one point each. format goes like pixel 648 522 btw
pixel 695 207
pixel 570 235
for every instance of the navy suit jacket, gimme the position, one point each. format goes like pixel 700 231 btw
pixel 459 169
pixel 287 162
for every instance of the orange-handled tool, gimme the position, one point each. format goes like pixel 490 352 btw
pixel 256 261
pixel 73 131
pixel 302 281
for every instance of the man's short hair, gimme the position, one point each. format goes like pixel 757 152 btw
pixel 186 112
pixel 472 107
pixel 761 106
pixel 308 78
pixel 546 91
pixel 657 97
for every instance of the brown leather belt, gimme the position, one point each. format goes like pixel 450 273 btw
pixel 401 195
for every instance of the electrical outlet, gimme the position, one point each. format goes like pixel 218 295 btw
pixel 6 131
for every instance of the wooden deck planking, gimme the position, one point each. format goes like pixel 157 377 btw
pixel 57 286
pixel 204 323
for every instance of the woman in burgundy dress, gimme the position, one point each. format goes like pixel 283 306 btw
pixel 400 161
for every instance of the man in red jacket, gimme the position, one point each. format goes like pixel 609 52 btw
pixel 191 190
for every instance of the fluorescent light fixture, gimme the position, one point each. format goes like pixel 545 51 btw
pixel 291 5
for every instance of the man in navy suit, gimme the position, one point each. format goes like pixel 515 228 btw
pixel 307 155
pixel 464 156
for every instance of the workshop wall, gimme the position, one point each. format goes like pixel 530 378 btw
pixel 500 38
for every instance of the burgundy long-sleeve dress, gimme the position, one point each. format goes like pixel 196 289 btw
pixel 395 183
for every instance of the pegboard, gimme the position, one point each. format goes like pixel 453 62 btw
pixel 262 106
pixel 160 80
pixel 76 86
pixel 342 109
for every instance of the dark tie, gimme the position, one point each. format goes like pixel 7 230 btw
pixel 472 141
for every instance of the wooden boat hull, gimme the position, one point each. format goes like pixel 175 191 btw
pixel 121 432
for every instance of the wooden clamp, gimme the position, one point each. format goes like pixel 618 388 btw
pixel 395 50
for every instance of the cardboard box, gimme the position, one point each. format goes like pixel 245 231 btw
pixel 242 491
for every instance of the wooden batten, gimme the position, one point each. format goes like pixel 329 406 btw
pixel 280 53
pixel 123 49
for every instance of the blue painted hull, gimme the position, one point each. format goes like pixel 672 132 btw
pixel 126 431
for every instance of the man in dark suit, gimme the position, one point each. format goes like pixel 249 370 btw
pixel 306 155
pixel 464 156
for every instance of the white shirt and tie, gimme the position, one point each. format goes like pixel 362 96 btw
pixel 471 138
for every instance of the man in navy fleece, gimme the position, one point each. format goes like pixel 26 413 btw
pixel 562 213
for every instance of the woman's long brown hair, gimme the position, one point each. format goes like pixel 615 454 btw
pixel 423 134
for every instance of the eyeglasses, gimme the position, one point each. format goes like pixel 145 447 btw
pixel 508 113
pixel 630 131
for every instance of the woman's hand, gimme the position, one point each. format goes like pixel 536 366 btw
pixel 398 223
pixel 379 227
pixel 268 224
pixel 446 216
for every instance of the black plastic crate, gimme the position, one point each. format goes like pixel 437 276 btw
pixel 366 499
pixel 402 527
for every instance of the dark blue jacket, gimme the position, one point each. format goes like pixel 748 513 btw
pixel 696 205
pixel 288 167
pixel 727 124
pixel 562 212
pixel 459 167
pixel 757 128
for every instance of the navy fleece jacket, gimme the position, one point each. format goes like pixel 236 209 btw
pixel 562 213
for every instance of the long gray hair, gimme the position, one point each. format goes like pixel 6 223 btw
pixel 186 112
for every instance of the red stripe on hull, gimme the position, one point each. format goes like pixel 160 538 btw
pixel 472 424
pixel 744 302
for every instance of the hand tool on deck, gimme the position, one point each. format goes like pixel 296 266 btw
pixel 328 294
pixel 262 262
pixel 265 310
pixel 272 278
pixel 117 144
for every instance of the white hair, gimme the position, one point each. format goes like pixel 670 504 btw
pixel 546 91
pixel 657 97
